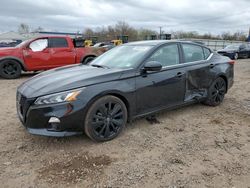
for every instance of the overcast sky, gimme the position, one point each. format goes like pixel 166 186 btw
pixel 204 16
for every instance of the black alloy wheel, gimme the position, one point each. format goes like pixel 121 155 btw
pixel 10 69
pixel 105 119
pixel 217 92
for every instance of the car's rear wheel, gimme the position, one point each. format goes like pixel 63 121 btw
pixel 10 69
pixel 88 60
pixel 216 92
pixel 105 118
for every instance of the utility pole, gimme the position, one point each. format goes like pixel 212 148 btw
pixel 160 31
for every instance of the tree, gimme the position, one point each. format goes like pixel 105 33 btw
pixel 143 33
pixel 23 28
pixel 88 32
pixel 38 29
pixel 123 28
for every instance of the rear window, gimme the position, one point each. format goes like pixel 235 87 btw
pixel 58 43
pixel 207 53
pixel 192 52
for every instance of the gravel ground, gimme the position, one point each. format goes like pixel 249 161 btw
pixel 195 146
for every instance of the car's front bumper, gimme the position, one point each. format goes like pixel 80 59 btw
pixel 46 132
pixel 37 118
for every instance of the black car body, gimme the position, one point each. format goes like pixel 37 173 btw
pixel 236 51
pixel 167 74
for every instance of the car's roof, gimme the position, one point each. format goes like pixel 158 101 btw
pixel 147 43
pixel 157 42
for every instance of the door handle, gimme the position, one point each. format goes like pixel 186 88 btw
pixel 179 74
pixel 211 65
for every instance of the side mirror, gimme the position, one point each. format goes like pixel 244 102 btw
pixel 152 66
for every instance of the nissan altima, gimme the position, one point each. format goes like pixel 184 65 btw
pixel 130 81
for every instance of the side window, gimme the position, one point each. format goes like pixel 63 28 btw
pixel 192 52
pixel 38 45
pixel 207 53
pixel 58 43
pixel 167 55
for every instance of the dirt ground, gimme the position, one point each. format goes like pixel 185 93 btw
pixel 195 146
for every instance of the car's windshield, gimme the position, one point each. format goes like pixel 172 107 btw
pixel 23 43
pixel 233 47
pixel 122 57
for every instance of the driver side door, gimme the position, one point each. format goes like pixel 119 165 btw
pixel 36 55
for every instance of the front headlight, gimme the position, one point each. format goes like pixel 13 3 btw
pixel 67 96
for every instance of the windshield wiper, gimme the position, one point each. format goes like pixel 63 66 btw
pixel 100 66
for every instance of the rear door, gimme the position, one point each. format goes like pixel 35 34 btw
pixel 61 52
pixel 199 70
pixel 163 88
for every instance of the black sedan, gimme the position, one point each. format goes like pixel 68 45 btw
pixel 132 80
pixel 236 51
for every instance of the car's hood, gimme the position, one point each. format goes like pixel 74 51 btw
pixel 7 50
pixel 66 78
pixel 227 50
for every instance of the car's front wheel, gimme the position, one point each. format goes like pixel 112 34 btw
pixel 105 118
pixel 216 92
pixel 10 69
pixel 236 56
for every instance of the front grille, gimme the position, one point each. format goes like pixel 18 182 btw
pixel 23 105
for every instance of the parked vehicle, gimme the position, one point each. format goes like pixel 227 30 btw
pixel 106 45
pixel 9 43
pixel 121 39
pixel 129 81
pixel 43 53
pixel 236 51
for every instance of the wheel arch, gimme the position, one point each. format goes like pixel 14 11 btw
pixel 85 57
pixel 115 94
pixel 225 79
pixel 21 63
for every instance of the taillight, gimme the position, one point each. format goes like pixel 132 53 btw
pixel 231 62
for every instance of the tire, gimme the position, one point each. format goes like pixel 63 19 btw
pixel 236 56
pixel 10 69
pixel 88 60
pixel 105 119
pixel 216 92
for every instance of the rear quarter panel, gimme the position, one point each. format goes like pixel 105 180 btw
pixel 223 68
pixel 81 53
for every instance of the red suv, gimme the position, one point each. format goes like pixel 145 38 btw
pixel 43 53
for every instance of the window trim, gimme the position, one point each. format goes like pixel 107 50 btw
pixel 181 57
pixel 189 63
